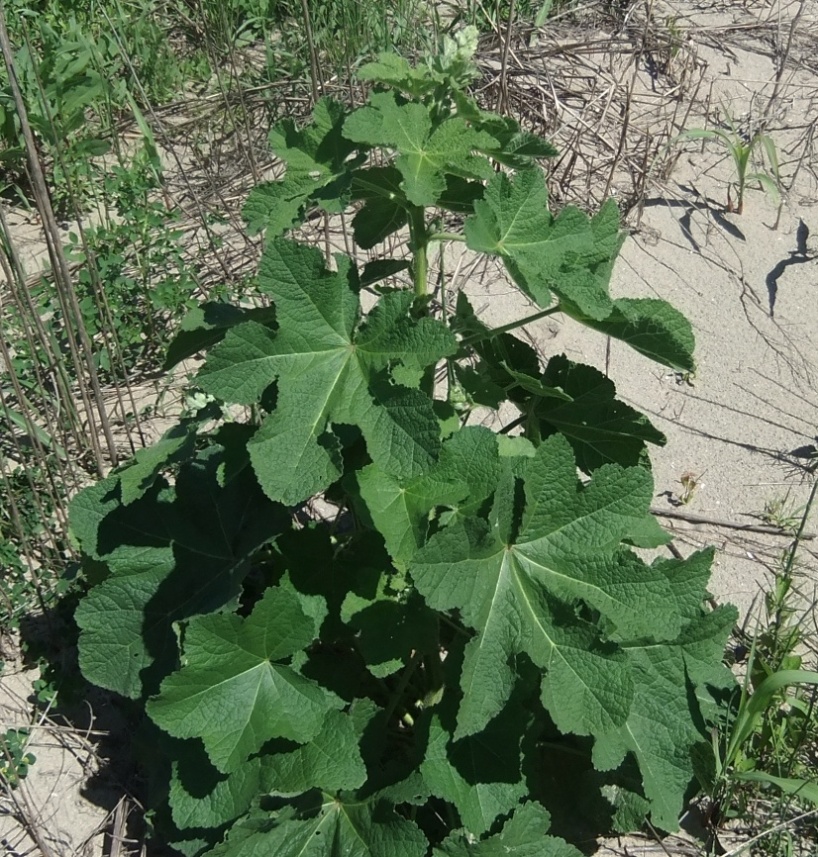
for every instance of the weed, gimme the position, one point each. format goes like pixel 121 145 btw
pixel 467 610
pixel 690 483
pixel 769 745
pixel 779 512
pixel 58 83
pixel 741 146
pixel 15 759
pixel 135 281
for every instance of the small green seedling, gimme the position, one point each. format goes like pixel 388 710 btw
pixel 15 760
pixel 741 147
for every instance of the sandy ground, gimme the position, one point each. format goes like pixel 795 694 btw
pixel 742 428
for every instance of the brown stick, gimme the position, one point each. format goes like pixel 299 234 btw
pixel 722 522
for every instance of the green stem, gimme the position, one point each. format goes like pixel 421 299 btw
pixel 446 236
pixel 420 241
pixel 397 694
pixel 497 331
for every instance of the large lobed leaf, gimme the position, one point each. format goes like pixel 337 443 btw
pixel 337 825
pixel 169 555
pixel 525 834
pixel 330 368
pixel 512 587
pixel 571 256
pixel 425 153
pixel 318 168
pixel 464 476
pixel 235 691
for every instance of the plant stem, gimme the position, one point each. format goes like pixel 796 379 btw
pixel 491 334
pixel 397 695
pixel 420 241
pixel 446 236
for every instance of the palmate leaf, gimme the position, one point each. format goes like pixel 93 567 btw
pixel 461 780
pixel 177 444
pixel 389 633
pixel 525 834
pixel 330 368
pixel 480 775
pixel 234 692
pixel 385 208
pixel 665 723
pixel 337 825
pixel 205 325
pixel 174 553
pixel 513 147
pixel 601 428
pixel 543 253
pixel 424 155
pixel 572 256
pixel 464 476
pixel 317 156
pixel 331 761
pixel 395 71
pixel 511 589
pixel 651 327
pixel 201 797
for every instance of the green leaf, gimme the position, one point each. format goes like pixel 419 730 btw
pixel 464 477
pixel 331 761
pixel 234 692
pixel 207 324
pixel 651 327
pixel 803 789
pixel 348 826
pixel 460 195
pixel 513 147
pixel 177 444
pixel 330 368
pixel 385 208
pixel 572 256
pixel 568 548
pixel 171 555
pixel 665 723
pixel 480 774
pixel 542 253
pixel 379 269
pixel 601 428
pixel 201 797
pixel 629 809
pixel 317 157
pixel 523 835
pixel 389 633
pixel 426 154
pixel 393 70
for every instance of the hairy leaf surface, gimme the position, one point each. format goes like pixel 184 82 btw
pixel 525 834
pixel 651 327
pixel 316 157
pixel 331 761
pixel 572 256
pixel 348 826
pixel 172 554
pixel 665 724
pixel 601 428
pixel 425 153
pixel 567 549
pixel 234 691
pixel 330 368
pixel 464 476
